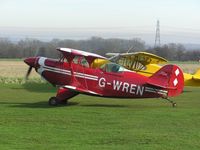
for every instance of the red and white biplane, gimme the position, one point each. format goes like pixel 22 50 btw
pixel 79 72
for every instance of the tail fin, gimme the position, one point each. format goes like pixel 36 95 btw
pixel 169 77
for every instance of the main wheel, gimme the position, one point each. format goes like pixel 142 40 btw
pixel 53 101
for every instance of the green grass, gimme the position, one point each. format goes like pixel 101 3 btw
pixel 27 122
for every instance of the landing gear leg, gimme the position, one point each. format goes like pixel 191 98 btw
pixel 173 103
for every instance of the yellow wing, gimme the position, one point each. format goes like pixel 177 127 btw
pixel 147 64
pixel 149 70
pixel 146 58
pixel 137 61
pixel 196 76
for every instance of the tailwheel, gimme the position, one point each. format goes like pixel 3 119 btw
pixel 174 104
pixel 53 101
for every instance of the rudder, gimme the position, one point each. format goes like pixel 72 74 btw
pixel 169 77
pixel 177 81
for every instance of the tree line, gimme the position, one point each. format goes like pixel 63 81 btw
pixel 33 47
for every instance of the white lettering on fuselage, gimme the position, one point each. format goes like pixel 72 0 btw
pixel 102 82
pixel 132 88
pixel 116 85
pixel 128 88
pixel 123 86
pixel 140 90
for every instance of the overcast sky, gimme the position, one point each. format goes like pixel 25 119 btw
pixel 182 16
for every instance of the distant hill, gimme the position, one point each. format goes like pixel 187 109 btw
pixel 192 46
pixel 191 41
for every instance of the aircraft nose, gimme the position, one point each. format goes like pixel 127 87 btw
pixel 30 61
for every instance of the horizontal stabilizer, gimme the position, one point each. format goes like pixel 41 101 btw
pixel 159 85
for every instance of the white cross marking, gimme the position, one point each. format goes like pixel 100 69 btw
pixel 177 72
pixel 175 82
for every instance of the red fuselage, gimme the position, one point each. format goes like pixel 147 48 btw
pixel 99 81
pixel 88 73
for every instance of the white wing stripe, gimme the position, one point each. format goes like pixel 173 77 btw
pixel 66 72
pixel 84 77
pixel 56 71
pixel 82 74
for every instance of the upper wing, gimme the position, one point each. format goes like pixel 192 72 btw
pixel 68 51
pixel 136 61
pixel 143 57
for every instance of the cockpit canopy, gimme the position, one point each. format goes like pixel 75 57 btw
pixel 112 67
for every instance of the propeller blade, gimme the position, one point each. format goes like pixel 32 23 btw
pixel 28 72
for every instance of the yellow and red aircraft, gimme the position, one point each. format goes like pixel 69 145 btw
pixel 147 64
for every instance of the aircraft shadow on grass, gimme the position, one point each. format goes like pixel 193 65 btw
pixel 42 104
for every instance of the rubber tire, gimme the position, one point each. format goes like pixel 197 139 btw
pixel 53 101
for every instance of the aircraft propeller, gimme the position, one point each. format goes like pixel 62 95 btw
pixel 28 72
pixel 31 61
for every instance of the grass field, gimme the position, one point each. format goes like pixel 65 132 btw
pixel 13 71
pixel 27 122
pixel 14 68
pixel 189 67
